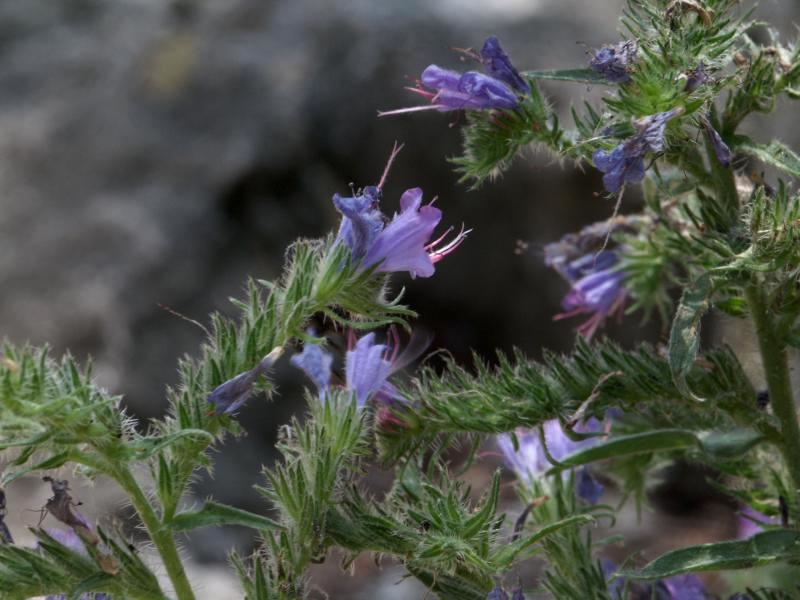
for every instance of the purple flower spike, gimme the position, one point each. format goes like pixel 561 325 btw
pixel 625 163
pixel 498 593
pixel 367 368
pixel 499 66
pixel 316 363
pixel 362 220
pixel 613 62
pixel 229 396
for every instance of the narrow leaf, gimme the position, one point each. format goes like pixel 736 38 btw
pixel 576 75
pixel 761 549
pixel 684 339
pixel 774 154
pixel 213 514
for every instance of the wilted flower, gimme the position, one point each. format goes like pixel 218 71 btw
pixel 625 163
pixel 498 593
pixel 696 77
pixel 499 65
pixel 229 396
pixel 401 245
pixel 316 363
pixel 721 149
pixel 613 62
pixel 530 461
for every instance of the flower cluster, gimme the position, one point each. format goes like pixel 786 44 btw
pixel 450 90
pixel 530 460
pixel 403 244
pixel 625 163
pixel 613 62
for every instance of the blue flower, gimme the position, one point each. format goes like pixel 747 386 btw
pixel 679 587
pixel 316 363
pixel 530 462
pixel 401 245
pixel 229 396
pixel 499 66
pixel 625 163
pixel 498 593
pixel 613 62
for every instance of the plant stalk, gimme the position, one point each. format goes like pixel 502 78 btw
pixel 162 538
pixel 776 370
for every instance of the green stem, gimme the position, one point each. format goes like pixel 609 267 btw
pixel 776 370
pixel 161 537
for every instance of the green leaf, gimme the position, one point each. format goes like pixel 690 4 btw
pixel 659 440
pixel 761 549
pixel 729 444
pixel 506 555
pixel 684 338
pixel 53 462
pixel 147 447
pixel 214 514
pixel 774 154
pixel 93 583
pixel 576 75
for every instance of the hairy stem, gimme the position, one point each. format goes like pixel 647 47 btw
pixel 776 370
pixel 162 538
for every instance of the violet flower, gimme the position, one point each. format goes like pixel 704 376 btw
pixel 499 65
pixel 517 594
pixel 229 396
pixel 530 462
pixel 316 363
pixel 498 593
pixel 625 163
pixel 614 61
pixel 596 284
pixel 679 587
pixel 750 522
pixel 401 245
pixel 450 90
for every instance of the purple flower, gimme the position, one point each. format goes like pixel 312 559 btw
pixel 625 163
pixel 316 363
pixel 696 77
pixel 367 369
pixel 230 395
pixel 499 66
pixel 596 284
pixel 456 91
pixel 362 220
pixel 401 245
pixel 613 62
pixel 721 149
pixel 750 521
pixel 530 462
pixel 498 593
pixel 517 594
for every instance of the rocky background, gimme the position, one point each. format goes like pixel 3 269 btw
pixel 156 153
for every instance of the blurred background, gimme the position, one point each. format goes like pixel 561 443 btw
pixel 156 153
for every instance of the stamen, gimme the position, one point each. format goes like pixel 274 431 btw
pixel 437 255
pixel 395 151
pixel 439 239
pixel 400 111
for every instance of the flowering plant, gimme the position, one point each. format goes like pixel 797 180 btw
pixel 569 428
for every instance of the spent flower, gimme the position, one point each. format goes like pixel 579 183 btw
pixel 613 62
pixel 499 65
pixel 625 163
pixel 229 396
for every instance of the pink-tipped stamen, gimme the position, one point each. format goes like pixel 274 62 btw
pixel 438 254
pixel 424 93
pixel 440 238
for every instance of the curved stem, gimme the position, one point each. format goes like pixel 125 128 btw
pixel 162 538
pixel 776 370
